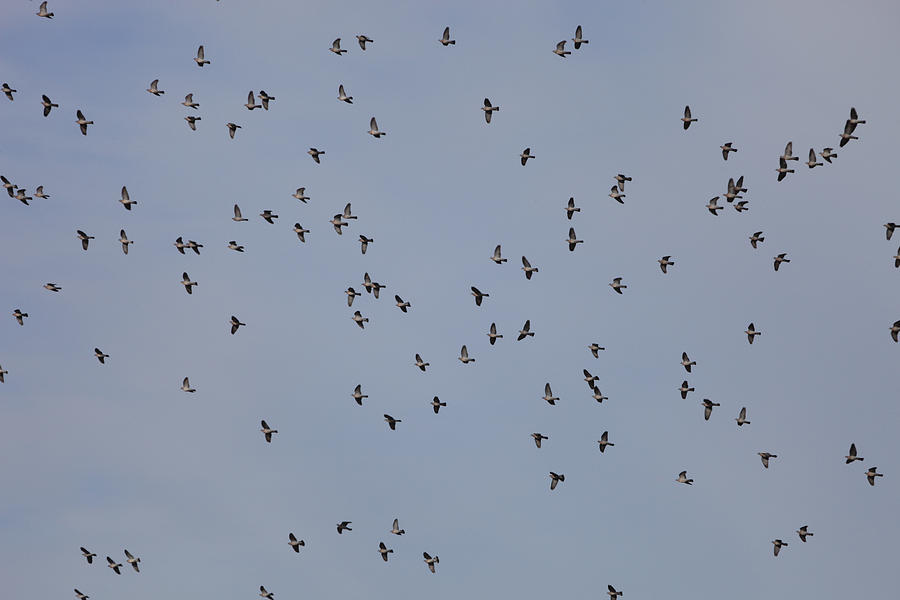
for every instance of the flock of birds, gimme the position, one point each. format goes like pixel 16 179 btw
pixel 733 195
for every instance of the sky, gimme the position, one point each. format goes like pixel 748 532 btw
pixel 116 456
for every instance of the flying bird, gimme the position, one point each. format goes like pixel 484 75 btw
pixel 765 456
pixel 620 181
pixel 401 304
pixel 237 214
pixel 756 238
pixel 421 363
pixel 851 456
pixel 783 168
pixel 687 362
pixel 712 206
pixel 192 121
pixel 395 528
pixel 560 50
pixel 233 245
pixel 488 109
pixel 235 324
pixel 295 543
pixel 577 41
pixel 684 389
pixel 742 417
pixel 315 153
pixel 526 266
pixel 664 263
pixel 266 594
pixel 20 316
pixel 186 386
pixel 493 335
pixel 99 354
pixel 526 154
pixel 617 285
pixel 436 404
pixel 872 473
pixel 548 395
pixel 603 441
pixel 525 331
pixel 384 550
pixel 888 229
pixel 687 119
pixel 364 242
pixel 336 47
pixel 464 356
pixel 200 60
pixel 726 148
pixel 187 283
pixel 52 287
pixel 81 596
pixel 251 101
pixel 232 129
pixel 555 479
pixel 613 594
pixel 392 422
pixel 359 319
pixel 445 39
pixel 342 96
pixel 538 437
pixel 430 561
pixel 267 216
pixel 595 349
pixel 811 163
pixel 616 195
pixel 265 99
pixel 373 129
pixel 589 379
pixel 781 259
pixel 126 200
pixel 803 532
pixel 133 561
pixel 778 545
pixel 752 332
pixel 87 554
pixel 597 395
pixel 42 11
pixel 848 133
pixel 344 525
pixel 827 154
pixel 85 238
pixel 154 89
pixel 683 478
pixel 358 395
pixel 479 295
pixel 707 408
pixel 571 209
pixel 267 431
pixel 189 102
pixel 301 232
pixel 8 91
pixel 82 122
pixel 114 565
pixel 47 104
pixel 496 257
pixel 351 294
pixel 363 40
pixel 572 240
pixel 300 195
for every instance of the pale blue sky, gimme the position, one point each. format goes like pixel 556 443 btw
pixel 115 456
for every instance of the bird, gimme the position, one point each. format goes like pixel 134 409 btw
pixel 21 197
pixel 687 362
pixel 555 479
pixel 85 238
pixel 346 214
pixel 597 395
pixel 526 154
pixel 811 163
pixel 526 266
pixel 493 336
pixel 232 129
pixel 189 102
pixel 363 40
pixel 687 119
pixel 233 245
pixel 827 154
pixel 266 594
pixel 99 354
pixel 778 544
pixel 315 153
pixel 336 47
pixel 153 89
pixel 789 152
pixel 2 373
pixel 848 133
pixel 781 259
pixel 756 238
pixel 267 216
pixel 80 595
pixel 616 195
pixel 186 386
pixel 392 422
pixel 782 168
pixel 854 118
pixel 620 181
pixel 8 185
pixel 384 550
pixel 251 101
pixel 300 195
pixel 436 404
pixel 133 561
pixel 741 206
pixel 82 122
pixel 342 96
pixel 560 49
pixel 445 39
pixel 571 209
pixel 114 565
pixel 235 324
pixel 192 121
pixel 803 532
pixel 589 379
pixel 496 257
pixel 351 294
pixel 872 473
pixel 577 41
pixel 421 363
pixel 42 11
pixel 752 332
pixel 733 191
pixel 548 395
pixel 19 315
pixel 613 594
pixel 267 431
pixel 265 99
pixel 895 328
pixel 664 263
pixel 344 525
pixel 684 389
pixel 595 349
pixel 765 456
pixel 604 442
pixel 617 286
pixel 726 148
pixel 572 240
pixel 359 319
pixel 47 104
pixel 464 356
pixel 682 478
pixel 430 561
pixel 237 214
pixel 373 129
pixel 126 200
pixel 888 230
pixel 201 59
pixel 479 295
pixel 712 206
pixel 401 304
pixel 295 543
pixel 187 283
pixel 525 331
pixel 87 554
pixel 395 528
pixel 538 437
pixel 358 395
pixel 8 91
pixel 742 417
pixel 851 456
pixel 364 243
pixel 52 287
pixel 488 109
pixel 301 232
pixel 707 408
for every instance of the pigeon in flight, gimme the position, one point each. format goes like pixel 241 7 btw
pixel 803 532
pixel 597 395
pixel 232 129
pixel 851 457
pixel 336 47
pixel 187 283
pixel 752 332
pixel 526 266
pixel 827 154
pixel 395 528
pixel 154 89
pixel 266 594
pixel 778 544
pixel 781 259
pixel 267 431
pixel 620 181
pixel 436 404
pixel 613 594
pixel 237 214
pixel 358 395
pixel 617 285
pixel 561 51
pixel 848 133
pixel 47 104
pixel 589 379
pixel 664 263
pixel 707 408
pixel 133 561
pixel 684 389
pixel 82 122
pixel 783 168
pixel 479 295
pixel 8 91
pixel 20 316
pixel 100 355
pixel 80 596
pixel 742 417
pixel 595 349
pixel 811 163
pixel 342 96
pixel 756 238
pixel 42 11
pixel 201 59
pixel 315 153
pixel 384 550
pixel 401 303
pixel 493 335
pixel 555 479
pixel 251 102
pixel 192 121
pixel 351 294
pixel 687 362
pixel 526 154
pixel 301 232
pixel 114 565
pixel 373 129
pixel 571 209
pixel 359 319
pixel 344 525
pixel 126 200
pixel 726 148
pixel 577 41
pixel 189 102
pixel 548 396
pixel 392 422
pixel 538 437
pixel 712 206
pixel 265 99
pixel 300 195
pixel 872 473
pixel 295 543
pixel 52 287
pixel 85 238
pixel 363 40
pixel 683 478
pixel 233 245
pixel 464 356
pixel 87 554
pixel 525 331
pixel 445 39
pixel 616 195
pixel 421 363
pixel 572 240
pixel 488 109
pixel 430 561
pixel 603 441
pixel 888 229
pixel 765 456
pixel 267 216
pixel 235 324
pixel 687 119
pixel 186 386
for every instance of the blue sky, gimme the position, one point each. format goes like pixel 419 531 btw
pixel 115 456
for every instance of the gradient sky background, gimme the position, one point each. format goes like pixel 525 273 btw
pixel 115 456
